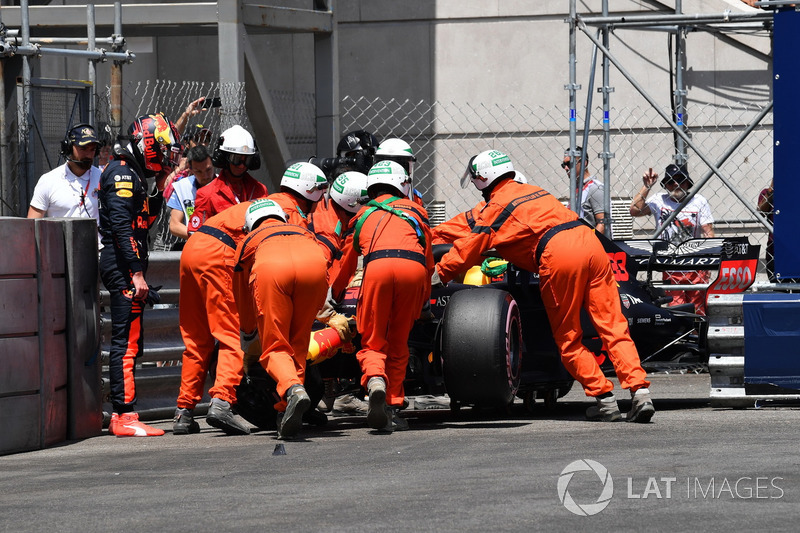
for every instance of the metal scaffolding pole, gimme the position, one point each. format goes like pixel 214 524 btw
pixel 587 123
pixel 687 20
pixel 100 55
pixel 91 47
pixel 26 164
pixel 680 89
pixel 116 74
pixel 675 128
pixel 13 34
pixel 606 155
pixel 573 90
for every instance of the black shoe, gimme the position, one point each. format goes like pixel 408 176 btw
pixel 221 417
pixel 315 417
pixel 184 422
pixel 377 418
pixel 298 403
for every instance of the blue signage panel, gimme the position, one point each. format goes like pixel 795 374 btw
pixel 771 343
pixel 786 117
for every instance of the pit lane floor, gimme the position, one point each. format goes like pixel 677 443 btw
pixel 693 468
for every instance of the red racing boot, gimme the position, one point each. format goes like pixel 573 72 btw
pixel 128 425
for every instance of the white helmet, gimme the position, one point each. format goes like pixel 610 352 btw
pixel 396 150
pixel 306 179
pixel 485 168
pixel 237 140
pixel 389 173
pixel 519 178
pixel 261 209
pixel 349 190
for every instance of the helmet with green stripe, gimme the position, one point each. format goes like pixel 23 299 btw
pixel 389 173
pixel 486 168
pixel 396 150
pixel 305 179
pixel 261 209
pixel 349 191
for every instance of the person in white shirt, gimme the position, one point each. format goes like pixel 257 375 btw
pixel 184 191
pixel 70 190
pixel 694 221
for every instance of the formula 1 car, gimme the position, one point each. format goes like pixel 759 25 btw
pixel 486 344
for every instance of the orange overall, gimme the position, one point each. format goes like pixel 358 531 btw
pixel 208 311
pixel 280 283
pixel 526 225
pixel 457 227
pixel 397 270
pixel 295 214
pixel 329 231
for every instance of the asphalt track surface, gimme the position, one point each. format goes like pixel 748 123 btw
pixel 693 468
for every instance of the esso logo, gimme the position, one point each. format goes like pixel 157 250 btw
pixel 733 277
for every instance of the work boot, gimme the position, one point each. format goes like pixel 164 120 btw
pixel 315 417
pixel 184 423
pixel 298 403
pixel 395 422
pixel 642 409
pixel 377 417
pixel 350 404
pixel 606 410
pixel 221 417
pixel 328 400
pixel 128 425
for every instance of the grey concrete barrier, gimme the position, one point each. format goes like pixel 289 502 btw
pixel 47 332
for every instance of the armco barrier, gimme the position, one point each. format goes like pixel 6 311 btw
pixel 49 372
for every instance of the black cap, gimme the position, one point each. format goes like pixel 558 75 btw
pixel 83 135
pixel 677 174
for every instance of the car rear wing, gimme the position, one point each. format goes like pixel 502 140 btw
pixel 657 255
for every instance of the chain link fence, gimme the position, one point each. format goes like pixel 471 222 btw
pixel 295 111
pixel 444 135
pixel 172 98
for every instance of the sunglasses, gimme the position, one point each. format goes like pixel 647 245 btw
pixel 240 159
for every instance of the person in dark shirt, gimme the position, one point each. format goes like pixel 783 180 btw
pixel 129 206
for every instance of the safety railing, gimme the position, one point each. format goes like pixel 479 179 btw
pixel 158 372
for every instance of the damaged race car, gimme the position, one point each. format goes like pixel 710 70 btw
pixel 487 340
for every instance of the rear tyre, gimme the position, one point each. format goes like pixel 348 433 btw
pixel 481 347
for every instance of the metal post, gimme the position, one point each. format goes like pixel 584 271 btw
pixel 587 120
pixel 90 46
pixel 606 155
pixel 675 128
pixel 680 89
pixel 116 74
pixel 26 164
pixel 573 90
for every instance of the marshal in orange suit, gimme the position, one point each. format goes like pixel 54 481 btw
pixel 280 283
pixel 530 228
